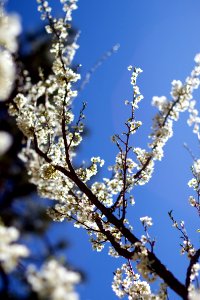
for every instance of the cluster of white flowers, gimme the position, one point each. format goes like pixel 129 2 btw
pixel 142 262
pixel 53 281
pixel 136 91
pixel 10 251
pixel 5 141
pixel 60 27
pixel 196 169
pixel 186 245
pixel 44 124
pixel 7 74
pixel 145 166
pixel 194 183
pixel 128 283
pixel 195 271
pixel 194 294
pixel 169 111
pixel 129 173
pixel 10 28
pixel 163 121
pixel 194 119
pixel 43 113
pixel 146 221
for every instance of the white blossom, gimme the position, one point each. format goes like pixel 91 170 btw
pixel 195 271
pixel 53 281
pixel 194 295
pixel 7 74
pixel 5 141
pixel 10 28
pixel 146 221
pixel 194 118
pixel 10 251
pixel 128 283
pixel 197 58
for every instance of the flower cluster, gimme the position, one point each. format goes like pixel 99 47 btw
pixel 195 271
pixel 146 221
pixel 10 28
pixel 143 263
pixel 53 281
pixel 186 246
pixel 126 282
pixel 194 183
pixel 5 141
pixel 10 251
pixel 169 111
pixel 194 118
pixel 194 294
pixel 43 113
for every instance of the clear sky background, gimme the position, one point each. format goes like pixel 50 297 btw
pixel 162 38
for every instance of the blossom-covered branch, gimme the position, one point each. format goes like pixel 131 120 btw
pixel 44 114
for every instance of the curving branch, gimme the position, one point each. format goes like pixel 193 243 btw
pixel 155 264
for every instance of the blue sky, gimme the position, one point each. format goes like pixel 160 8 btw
pixel 162 38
